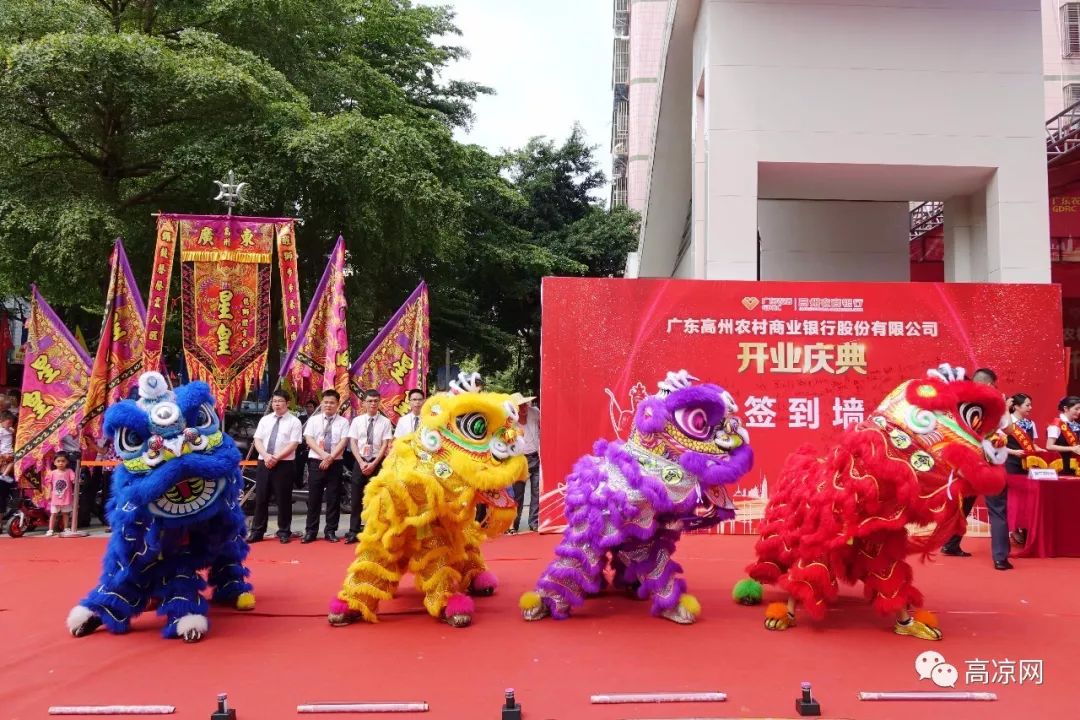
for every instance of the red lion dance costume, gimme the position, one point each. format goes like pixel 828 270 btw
pixel 842 515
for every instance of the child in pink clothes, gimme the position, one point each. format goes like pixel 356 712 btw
pixel 61 484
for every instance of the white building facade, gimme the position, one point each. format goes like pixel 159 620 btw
pixel 1061 55
pixel 790 137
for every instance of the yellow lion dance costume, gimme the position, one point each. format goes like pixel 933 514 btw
pixel 419 511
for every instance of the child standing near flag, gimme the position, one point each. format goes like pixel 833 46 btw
pixel 7 459
pixel 61 484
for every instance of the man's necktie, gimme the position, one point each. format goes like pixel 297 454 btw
pixel 326 435
pixel 271 443
pixel 371 435
pixel 415 422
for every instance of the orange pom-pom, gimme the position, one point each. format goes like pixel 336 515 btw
pixel 776 611
pixel 927 618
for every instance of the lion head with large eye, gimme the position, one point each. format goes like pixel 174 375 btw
pixel 175 460
pixel 695 426
pixel 947 424
pixel 471 436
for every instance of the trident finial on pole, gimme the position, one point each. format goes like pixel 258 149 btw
pixel 229 191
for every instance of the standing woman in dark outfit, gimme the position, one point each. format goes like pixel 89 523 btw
pixel 1063 435
pixel 1020 443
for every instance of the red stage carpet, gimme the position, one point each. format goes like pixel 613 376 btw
pixel 285 653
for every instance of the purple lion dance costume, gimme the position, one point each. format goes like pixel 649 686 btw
pixel 628 503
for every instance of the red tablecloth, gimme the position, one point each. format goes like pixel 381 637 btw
pixel 1050 512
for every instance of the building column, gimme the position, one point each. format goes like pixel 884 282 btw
pixel 1017 246
pixel 731 215
pixel 958 240
pixel 699 200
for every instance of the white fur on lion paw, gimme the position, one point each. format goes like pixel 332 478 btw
pixel 82 621
pixel 192 627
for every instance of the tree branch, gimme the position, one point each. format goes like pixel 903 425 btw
pixel 131 170
pixel 148 194
pixel 51 128
pixel 49 156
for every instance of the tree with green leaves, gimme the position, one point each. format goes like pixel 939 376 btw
pixel 332 110
pixel 565 231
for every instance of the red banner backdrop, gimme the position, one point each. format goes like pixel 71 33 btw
pixel 802 359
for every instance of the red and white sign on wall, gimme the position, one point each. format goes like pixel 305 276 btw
pixel 1065 218
pixel 803 360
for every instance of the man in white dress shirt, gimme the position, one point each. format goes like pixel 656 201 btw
pixel 327 435
pixel 410 422
pixel 529 444
pixel 370 435
pixel 276 439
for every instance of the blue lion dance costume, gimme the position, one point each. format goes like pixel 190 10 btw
pixel 175 510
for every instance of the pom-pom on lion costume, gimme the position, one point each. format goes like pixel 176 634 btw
pixel 174 511
pixel 842 515
pixel 630 502
pixel 419 511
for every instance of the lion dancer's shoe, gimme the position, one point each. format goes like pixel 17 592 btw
pixel 924 625
pixel 779 616
pixel 341 614
pixel 484 584
pixel 459 610
pixel 685 612
pixel 537 605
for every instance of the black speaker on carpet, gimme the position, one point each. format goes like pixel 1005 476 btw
pixel 511 710
pixel 224 712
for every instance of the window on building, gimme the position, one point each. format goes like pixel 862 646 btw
pixel 1070 29
pixel 622 17
pixel 621 61
pixel 619 189
pixel 1072 94
pixel 620 127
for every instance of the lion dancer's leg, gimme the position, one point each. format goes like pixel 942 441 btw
pixel 575 572
pixel 650 562
pixel 809 583
pixel 379 561
pixel 372 576
pixel 436 565
pixel 887 580
pixel 182 602
pixel 126 582
pixel 475 575
pixel 228 575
